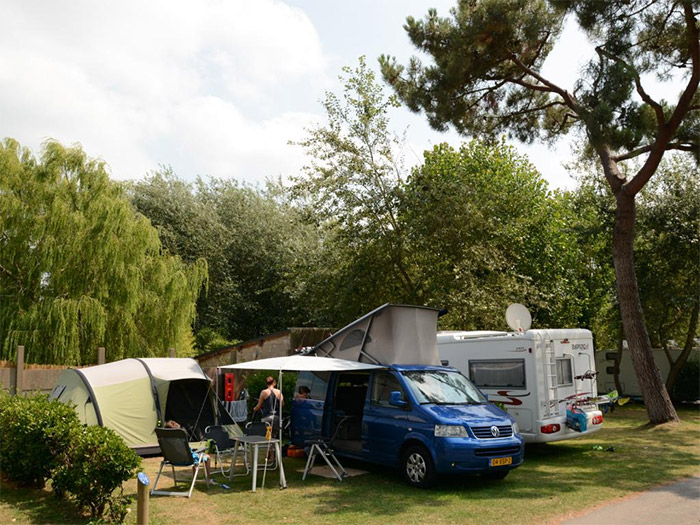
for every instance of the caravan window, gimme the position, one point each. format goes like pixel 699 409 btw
pixel 565 375
pixel 501 373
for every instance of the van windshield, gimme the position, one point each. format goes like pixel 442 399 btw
pixel 443 388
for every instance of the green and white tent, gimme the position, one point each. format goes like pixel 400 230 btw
pixel 134 396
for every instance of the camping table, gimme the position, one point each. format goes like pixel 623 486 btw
pixel 256 442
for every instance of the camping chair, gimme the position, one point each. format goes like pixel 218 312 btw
pixel 259 428
pixel 224 446
pixel 324 448
pixel 177 453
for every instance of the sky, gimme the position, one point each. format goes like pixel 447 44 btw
pixel 210 87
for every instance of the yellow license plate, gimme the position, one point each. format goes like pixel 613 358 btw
pixel 498 462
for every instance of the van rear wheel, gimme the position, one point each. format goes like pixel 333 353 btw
pixel 417 466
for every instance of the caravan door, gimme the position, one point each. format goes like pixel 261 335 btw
pixel 573 351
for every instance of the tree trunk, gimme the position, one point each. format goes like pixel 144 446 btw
pixel 689 343
pixel 656 398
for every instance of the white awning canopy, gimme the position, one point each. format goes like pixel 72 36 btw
pixel 303 363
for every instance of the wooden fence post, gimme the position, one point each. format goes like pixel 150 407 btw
pixel 172 352
pixel 142 499
pixel 101 355
pixel 19 371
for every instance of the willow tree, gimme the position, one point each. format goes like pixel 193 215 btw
pixel 80 269
pixel 486 78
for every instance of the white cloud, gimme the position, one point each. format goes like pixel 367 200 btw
pixel 185 83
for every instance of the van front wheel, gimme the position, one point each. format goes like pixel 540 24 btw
pixel 417 466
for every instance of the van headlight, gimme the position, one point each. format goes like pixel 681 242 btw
pixel 450 431
pixel 516 429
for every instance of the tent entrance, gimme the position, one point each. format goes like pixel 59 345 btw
pixel 348 409
pixel 190 404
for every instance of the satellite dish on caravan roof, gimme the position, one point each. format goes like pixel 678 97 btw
pixel 518 318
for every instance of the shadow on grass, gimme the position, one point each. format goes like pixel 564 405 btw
pixel 637 457
pixel 40 506
pixel 555 479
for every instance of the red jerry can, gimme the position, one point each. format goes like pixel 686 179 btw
pixel 229 390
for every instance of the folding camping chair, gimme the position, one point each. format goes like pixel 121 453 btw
pixel 324 448
pixel 177 453
pixel 224 446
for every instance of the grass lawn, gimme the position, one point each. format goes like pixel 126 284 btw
pixel 556 481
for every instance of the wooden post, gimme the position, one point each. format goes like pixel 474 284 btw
pixel 142 500
pixel 19 371
pixel 101 355
pixel 172 352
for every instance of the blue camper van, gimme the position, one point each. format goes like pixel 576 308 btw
pixel 427 420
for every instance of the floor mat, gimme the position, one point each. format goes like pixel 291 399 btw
pixel 325 472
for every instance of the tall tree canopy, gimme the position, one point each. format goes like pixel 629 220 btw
pixel 471 229
pixel 351 190
pixel 484 231
pixel 251 242
pixel 79 269
pixel 667 254
pixel 486 78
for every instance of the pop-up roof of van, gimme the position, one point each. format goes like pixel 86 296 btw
pixel 391 334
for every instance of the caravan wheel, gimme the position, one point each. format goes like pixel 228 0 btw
pixel 417 466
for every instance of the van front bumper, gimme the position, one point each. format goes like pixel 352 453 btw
pixel 466 455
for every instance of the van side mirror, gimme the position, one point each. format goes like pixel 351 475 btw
pixel 396 399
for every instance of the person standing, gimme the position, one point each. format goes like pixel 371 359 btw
pixel 269 404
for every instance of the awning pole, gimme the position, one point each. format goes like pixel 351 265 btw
pixel 281 403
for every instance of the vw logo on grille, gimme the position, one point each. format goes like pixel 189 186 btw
pixel 495 432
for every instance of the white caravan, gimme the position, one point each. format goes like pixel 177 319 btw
pixel 541 376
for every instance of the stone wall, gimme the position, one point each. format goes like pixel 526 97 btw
pixel 278 344
pixel 32 380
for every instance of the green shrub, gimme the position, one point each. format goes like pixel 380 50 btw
pixel 687 387
pixel 93 469
pixel 33 430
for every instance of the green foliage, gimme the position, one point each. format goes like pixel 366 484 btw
pixel 79 269
pixel 92 470
pixel 486 60
pixel 34 430
pixel 473 79
pixel 250 241
pixel 207 339
pixel 44 439
pixel 485 77
pixel 484 231
pixel 594 213
pixel 472 229
pixel 687 387
pixel 351 191
pixel 667 248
